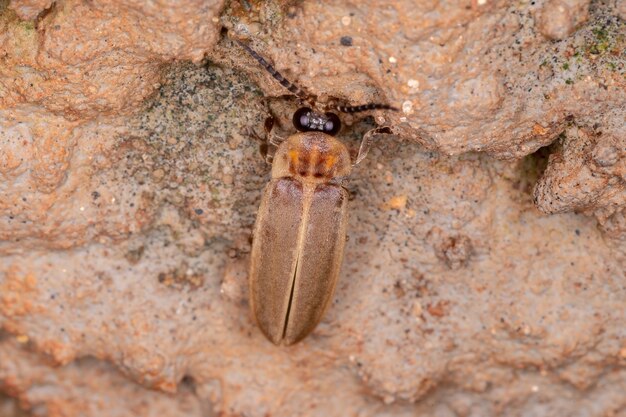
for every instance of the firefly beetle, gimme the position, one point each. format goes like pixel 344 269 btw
pixel 300 230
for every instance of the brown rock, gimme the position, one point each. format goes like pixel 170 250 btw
pixel 129 185
pixel 559 18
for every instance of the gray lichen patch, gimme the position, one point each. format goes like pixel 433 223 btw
pixel 195 144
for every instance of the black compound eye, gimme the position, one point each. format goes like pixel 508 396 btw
pixel 332 125
pixel 302 119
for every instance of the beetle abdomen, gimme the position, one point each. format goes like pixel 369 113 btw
pixel 296 256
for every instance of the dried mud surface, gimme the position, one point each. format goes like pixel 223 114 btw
pixel 485 269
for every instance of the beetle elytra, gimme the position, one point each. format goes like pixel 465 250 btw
pixel 300 231
pixel 299 236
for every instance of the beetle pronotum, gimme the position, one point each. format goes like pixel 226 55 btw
pixel 300 231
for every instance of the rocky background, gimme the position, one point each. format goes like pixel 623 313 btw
pixel 485 270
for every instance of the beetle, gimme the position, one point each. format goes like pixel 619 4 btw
pixel 300 230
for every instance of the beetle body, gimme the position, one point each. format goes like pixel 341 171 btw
pixel 300 231
pixel 299 236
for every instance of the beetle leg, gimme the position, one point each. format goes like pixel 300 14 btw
pixel 351 192
pixel 366 142
pixel 275 140
pixel 271 136
pixel 263 146
pixel 364 148
pixel 271 140
pixel 268 125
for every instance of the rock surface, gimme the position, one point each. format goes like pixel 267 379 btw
pixel 485 270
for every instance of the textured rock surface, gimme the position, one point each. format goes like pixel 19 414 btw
pixel 126 209
pixel 86 387
pixel 588 173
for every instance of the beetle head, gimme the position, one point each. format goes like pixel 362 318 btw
pixel 307 120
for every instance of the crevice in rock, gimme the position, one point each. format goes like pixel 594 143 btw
pixel 187 383
pixel 44 13
pixel 532 166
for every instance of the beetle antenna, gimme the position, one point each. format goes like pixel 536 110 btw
pixel 365 107
pixel 295 89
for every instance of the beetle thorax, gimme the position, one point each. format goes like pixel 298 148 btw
pixel 311 157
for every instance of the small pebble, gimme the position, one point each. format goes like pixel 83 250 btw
pixel 407 107
pixel 158 174
pixel 559 18
pixel 398 202
pixel 605 155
